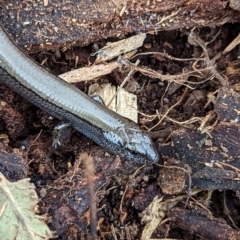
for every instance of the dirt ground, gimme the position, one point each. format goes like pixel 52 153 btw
pixel 188 91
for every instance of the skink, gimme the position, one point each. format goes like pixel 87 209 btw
pixel 115 133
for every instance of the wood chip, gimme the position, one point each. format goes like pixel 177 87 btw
pixel 89 73
pixel 124 103
pixel 115 49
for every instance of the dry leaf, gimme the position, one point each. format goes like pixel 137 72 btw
pixel 17 218
pixel 154 214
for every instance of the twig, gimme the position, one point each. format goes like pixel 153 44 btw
pixel 89 172
pixel 164 54
pixel 167 17
pixel 113 232
pixel 202 206
pixel 209 62
pixel 230 166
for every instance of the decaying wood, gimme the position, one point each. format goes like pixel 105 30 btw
pixel 200 224
pixel 228 104
pixel 41 25
pixel 214 160
pixel 12 165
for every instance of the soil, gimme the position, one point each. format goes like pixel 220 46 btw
pixel 189 101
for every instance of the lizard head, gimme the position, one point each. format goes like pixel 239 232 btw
pixel 132 144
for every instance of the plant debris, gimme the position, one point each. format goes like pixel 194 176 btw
pixel 17 217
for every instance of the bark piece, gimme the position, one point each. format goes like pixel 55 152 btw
pixel 12 166
pixel 228 104
pixel 199 150
pixel 212 178
pixel 196 149
pixel 39 25
pixel 202 225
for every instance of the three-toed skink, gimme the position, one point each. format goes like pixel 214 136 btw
pixel 115 133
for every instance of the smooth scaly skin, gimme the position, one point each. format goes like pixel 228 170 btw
pixel 115 133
